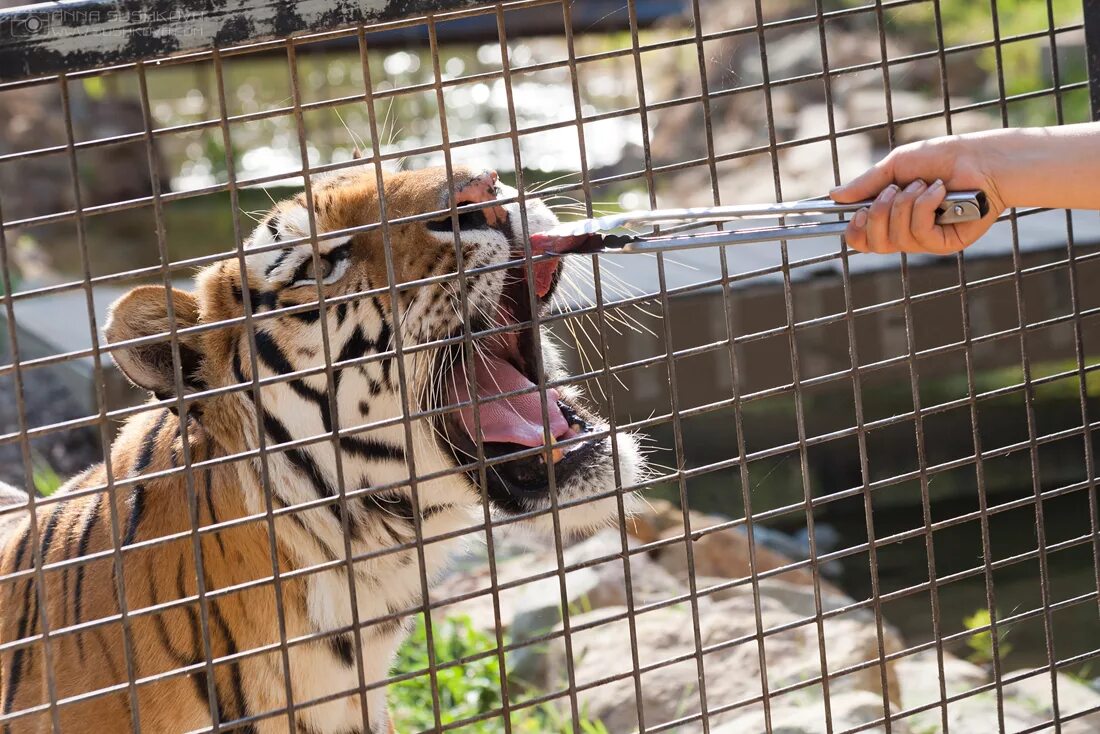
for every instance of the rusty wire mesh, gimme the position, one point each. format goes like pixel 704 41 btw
pixel 760 327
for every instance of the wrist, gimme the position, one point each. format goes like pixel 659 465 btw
pixel 1002 158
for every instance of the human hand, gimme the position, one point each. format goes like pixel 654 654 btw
pixel 910 184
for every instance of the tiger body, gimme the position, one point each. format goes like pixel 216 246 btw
pixel 239 621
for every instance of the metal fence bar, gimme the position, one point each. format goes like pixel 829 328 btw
pixel 914 389
pixel 38 584
pixel 333 408
pixel 257 393
pixel 55 61
pixel 1092 52
pixel 528 273
pixel 1075 301
pixel 182 410
pixel 857 385
pixel 607 380
pixel 1078 337
pixel 795 367
pixel 727 307
pixel 975 433
pixel 1029 402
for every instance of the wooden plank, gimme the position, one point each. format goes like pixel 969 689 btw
pixel 48 38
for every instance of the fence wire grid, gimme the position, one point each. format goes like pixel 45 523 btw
pixel 829 491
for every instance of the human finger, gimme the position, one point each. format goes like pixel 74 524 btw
pixel 867 185
pixel 856 233
pixel 929 236
pixel 878 221
pixel 901 216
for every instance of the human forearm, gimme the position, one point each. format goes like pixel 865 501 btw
pixel 1055 167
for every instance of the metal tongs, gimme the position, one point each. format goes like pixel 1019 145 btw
pixel 598 235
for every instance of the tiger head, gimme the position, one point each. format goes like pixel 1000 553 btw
pixel 386 342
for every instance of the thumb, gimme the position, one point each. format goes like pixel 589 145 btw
pixel 865 186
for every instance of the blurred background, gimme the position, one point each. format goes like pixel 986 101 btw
pixel 794 383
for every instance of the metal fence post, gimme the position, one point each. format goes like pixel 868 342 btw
pixel 1092 53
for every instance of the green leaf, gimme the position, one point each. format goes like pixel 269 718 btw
pixel 465 691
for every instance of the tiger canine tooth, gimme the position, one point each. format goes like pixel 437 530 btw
pixel 556 453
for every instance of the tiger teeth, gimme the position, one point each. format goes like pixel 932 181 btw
pixel 555 453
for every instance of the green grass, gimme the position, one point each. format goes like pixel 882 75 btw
pixel 465 691
pixel 981 643
pixel 46 480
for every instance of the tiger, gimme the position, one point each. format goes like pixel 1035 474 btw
pixel 350 404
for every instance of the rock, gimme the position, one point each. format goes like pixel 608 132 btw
pixel 538 612
pixel 977 712
pixel 1026 703
pixel 740 119
pixel 480 607
pixel 592 587
pixel 826 537
pixel 800 599
pixel 1034 695
pixel 536 606
pixel 808 169
pixel 647 526
pixel 807 715
pixel 781 543
pixel 660 515
pixel 724 553
pixel 603 654
pixel 731 669
pixel 48 399
pixel 866 105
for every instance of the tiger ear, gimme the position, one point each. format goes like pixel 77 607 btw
pixel 143 312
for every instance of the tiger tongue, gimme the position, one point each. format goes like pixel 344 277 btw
pixel 516 419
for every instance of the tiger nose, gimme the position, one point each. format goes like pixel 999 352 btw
pixel 481 188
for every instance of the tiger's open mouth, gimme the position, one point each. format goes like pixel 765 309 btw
pixel 510 410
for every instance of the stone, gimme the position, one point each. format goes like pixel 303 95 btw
pixel 538 612
pixel 806 715
pixel 1034 694
pixel 536 606
pixel 724 553
pixel 603 652
pixel 533 609
pixel 660 515
pixel 731 667
pixel 1026 703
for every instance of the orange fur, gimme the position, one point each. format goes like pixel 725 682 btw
pixel 88 646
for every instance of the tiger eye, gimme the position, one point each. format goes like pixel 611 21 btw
pixel 326 269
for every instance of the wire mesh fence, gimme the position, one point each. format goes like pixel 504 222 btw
pixel 311 437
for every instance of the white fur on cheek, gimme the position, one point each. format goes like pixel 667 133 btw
pixel 539 217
